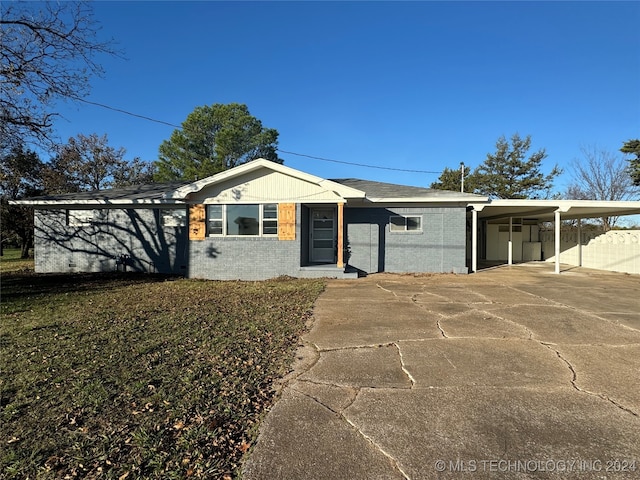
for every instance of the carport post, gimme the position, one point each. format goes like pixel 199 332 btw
pixel 474 240
pixel 510 246
pixel 579 242
pixel 557 239
pixel 340 256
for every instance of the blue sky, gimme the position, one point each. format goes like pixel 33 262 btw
pixel 415 85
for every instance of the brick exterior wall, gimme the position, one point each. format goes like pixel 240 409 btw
pixel 246 258
pixel 139 234
pixel 439 248
pixel 152 247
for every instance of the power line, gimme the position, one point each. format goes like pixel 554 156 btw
pixel 126 112
pixel 162 122
pixel 356 164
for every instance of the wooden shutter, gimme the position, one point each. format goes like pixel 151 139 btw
pixel 197 226
pixel 286 221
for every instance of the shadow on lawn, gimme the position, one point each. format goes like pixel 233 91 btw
pixel 18 284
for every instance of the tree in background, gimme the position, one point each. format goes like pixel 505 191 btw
pixel 20 176
pixel 136 172
pixel 508 173
pixel 88 162
pixel 47 52
pixel 85 163
pixel 632 147
pixel 213 139
pixel 450 179
pixel 600 175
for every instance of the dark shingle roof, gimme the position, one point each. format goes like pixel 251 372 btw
pixel 152 191
pixel 391 190
pixel 155 192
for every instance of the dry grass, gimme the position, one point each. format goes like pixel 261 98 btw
pixel 135 376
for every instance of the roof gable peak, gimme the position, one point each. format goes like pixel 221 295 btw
pixel 257 164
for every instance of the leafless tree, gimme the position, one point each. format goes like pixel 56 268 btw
pixel 47 54
pixel 601 175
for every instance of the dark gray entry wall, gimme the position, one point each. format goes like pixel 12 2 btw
pixel 438 247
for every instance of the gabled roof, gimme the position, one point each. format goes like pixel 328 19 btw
pixel 348 189
pixel 260 163
pixel 390 192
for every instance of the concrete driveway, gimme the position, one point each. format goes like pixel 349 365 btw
pixel 508 373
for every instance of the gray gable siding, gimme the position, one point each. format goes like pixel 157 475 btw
pixel 438 248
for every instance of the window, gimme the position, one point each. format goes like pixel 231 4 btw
pixel 174 217
pixel 243 220
pixel 79 218
pixel 270 219
pixel 409 223
pixel 214 219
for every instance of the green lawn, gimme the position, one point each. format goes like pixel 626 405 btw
pixel 11 261
pixel 135 376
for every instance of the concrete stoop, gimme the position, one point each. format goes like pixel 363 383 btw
pixel 326 271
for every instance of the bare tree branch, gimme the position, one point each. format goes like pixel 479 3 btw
pixel 47 54
pixel 600 175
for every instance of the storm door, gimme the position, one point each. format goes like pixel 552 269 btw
pixel 322 235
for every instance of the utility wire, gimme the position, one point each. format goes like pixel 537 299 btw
pixel 126 112
pixel 162 122
pixel 356 164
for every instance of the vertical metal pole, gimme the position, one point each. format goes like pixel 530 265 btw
pixel 340 259
pixel 557 240
pixel 461 177
pixel 474 240
pixel 579 242
pixel 510 246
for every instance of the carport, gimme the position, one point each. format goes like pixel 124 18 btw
pixel 542 211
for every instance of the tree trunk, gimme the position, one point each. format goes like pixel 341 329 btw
pixel 25 250
pixel 26 242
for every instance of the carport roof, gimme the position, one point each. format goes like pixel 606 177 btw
pixel 544 210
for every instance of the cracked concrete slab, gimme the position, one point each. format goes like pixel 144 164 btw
pixel 334 397
pixel 442 308
pixel 455 293
pixel 342 323
pixel 591 297
pixel 378 367
pixel 505 295
pixel 481 324
pixel 482 362
pixel 610 371
pixel 558 324
pixel 421 427
pixel 303 453
pixel 628 319
pixel 401 288
pixel 511 364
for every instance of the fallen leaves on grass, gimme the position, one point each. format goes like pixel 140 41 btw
pixel 139 377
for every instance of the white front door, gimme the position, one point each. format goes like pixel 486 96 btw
pixel 322 235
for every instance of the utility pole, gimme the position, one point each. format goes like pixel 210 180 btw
pixel 461 177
